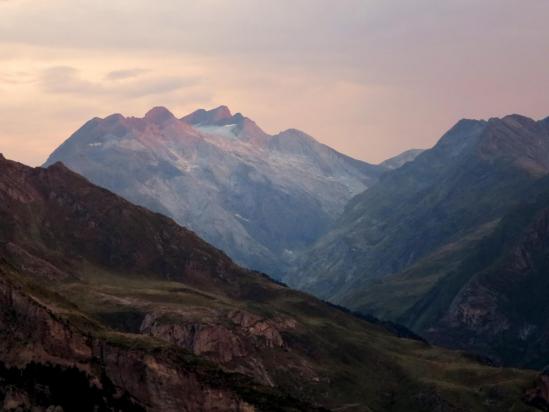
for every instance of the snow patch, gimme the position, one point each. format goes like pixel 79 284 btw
pixel 241 218
pixel 219 131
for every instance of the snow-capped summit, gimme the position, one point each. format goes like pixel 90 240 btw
pixel 260 198
pixel 220 121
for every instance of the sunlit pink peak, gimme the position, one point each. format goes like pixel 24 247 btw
pixel 111 119
pixel 221 112
pixel 209 117
pixel 159 115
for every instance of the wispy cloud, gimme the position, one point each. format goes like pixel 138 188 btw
pixel 125 74
pixel 68 80
pixel 368 77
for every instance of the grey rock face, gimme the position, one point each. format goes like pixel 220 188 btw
pixel 259 198
pixel 401 159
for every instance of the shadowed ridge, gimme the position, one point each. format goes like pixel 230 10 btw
pixel 60 166
pixel 471 177
pixel 519 118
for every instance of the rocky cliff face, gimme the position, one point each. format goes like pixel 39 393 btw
pixel 92 372
pixel 234 339
pixel 259 198
pixel 539 395
pixel 494 302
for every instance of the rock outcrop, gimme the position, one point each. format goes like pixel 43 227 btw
pixel 234 339
pixel 538 396
pixel 118 376
pixel 496 304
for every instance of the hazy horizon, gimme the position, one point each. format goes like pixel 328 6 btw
pixel 369 78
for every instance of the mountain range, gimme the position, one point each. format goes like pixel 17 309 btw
pixel 260 198
pixel 449 241
pixel 438 246
pixel 108 306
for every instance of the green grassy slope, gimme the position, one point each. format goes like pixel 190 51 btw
pixel 506 274
pixel 358 363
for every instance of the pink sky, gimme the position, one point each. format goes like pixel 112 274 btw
pixel 370 78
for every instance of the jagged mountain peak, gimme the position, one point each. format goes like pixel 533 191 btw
pixel 221 111
pixel 514 123
pixel 220 121
pixel 510 136
pixel 215 116
pixel 515 118
pixel 159 115
pixel 256 196
pixel 110 119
